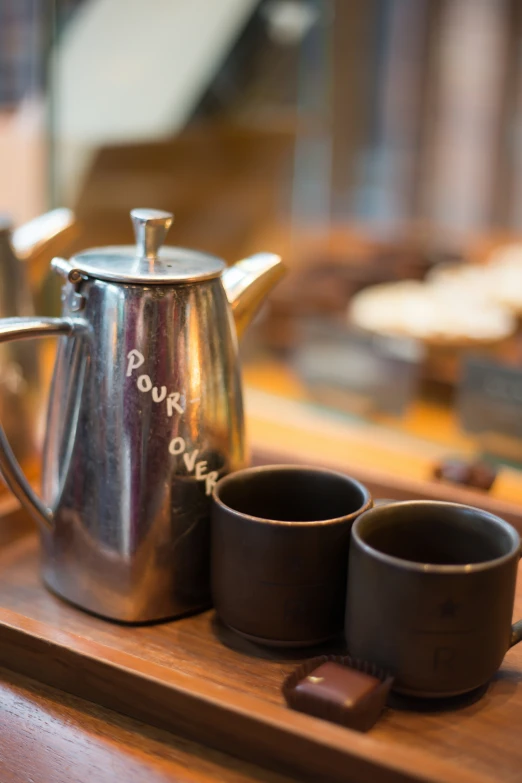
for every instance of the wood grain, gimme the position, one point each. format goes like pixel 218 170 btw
pixel 51 737
pixel 196 678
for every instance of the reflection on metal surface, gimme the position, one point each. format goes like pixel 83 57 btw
pixel 247 284
pixel 151 227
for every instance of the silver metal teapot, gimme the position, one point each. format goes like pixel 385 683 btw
pixel 145 415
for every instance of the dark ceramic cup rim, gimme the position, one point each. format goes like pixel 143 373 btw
pixel 435 568
pixel 231 478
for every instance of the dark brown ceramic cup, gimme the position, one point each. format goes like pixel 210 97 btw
pixel 279 552
pixel 431 587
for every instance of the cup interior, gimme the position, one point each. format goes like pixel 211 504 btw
pixel 292 494
pixel 436 533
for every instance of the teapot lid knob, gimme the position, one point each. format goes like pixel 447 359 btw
pixel 147 263
pixel 150 227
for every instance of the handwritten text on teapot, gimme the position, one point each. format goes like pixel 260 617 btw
pixel 177 446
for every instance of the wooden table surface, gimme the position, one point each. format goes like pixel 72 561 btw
pixel 50 737
pixel 47 736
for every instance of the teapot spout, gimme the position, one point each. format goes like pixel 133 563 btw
pixel 248 282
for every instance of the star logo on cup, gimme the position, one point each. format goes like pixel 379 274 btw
pixel 448 608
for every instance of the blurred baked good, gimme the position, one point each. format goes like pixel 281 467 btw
pixel 499 279
pixel 505 276
pixel 437 313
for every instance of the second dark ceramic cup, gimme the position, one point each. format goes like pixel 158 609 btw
pixel 280 540
pixel 431 587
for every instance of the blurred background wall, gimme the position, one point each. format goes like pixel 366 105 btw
pixel 394 112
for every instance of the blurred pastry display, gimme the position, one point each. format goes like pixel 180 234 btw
pixel 499 279
pixel 327 271
pixel 449 313
pixel 450 301
pixel 505 276
pixel 468 279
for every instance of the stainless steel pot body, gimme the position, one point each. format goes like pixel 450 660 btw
pixel 145 415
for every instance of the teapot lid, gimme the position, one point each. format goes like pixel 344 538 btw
pixel 147 261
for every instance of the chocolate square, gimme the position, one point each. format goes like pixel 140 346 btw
pixel 339 689
pixel 337 684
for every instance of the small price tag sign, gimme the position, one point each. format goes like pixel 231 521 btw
pixel 489 398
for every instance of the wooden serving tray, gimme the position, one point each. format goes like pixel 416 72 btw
pixel 196 677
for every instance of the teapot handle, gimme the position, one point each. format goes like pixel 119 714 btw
pixel 23 329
